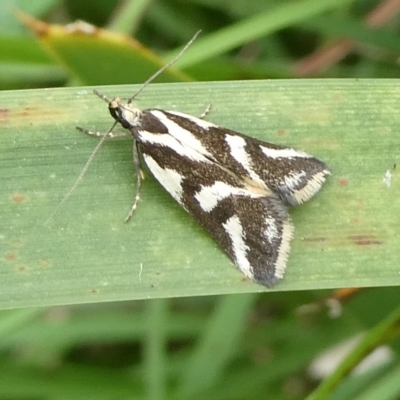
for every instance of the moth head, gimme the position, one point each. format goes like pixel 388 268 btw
pixel 126 114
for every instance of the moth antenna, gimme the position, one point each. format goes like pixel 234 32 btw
pixel 101 95
pixel 104 138
pixel 162 69
pixel 81 175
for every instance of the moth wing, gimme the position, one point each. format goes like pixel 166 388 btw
pixel 256 235
pixel 293 175
pixel 251 226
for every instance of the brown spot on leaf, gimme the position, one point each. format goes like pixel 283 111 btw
pixel 4 115
pixel 365 240
pixel 11 256
pixel 18 197
pixel 343 182
pixel 281 132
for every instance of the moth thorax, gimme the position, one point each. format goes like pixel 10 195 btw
pixel 130 114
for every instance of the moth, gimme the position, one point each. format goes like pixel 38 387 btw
pixel 237 187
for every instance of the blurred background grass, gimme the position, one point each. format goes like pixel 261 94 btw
pixel 226 347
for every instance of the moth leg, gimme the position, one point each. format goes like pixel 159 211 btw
pixel 205 112
pixel 101 134
pixel 139 178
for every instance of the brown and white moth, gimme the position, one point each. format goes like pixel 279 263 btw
pixel 237 187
